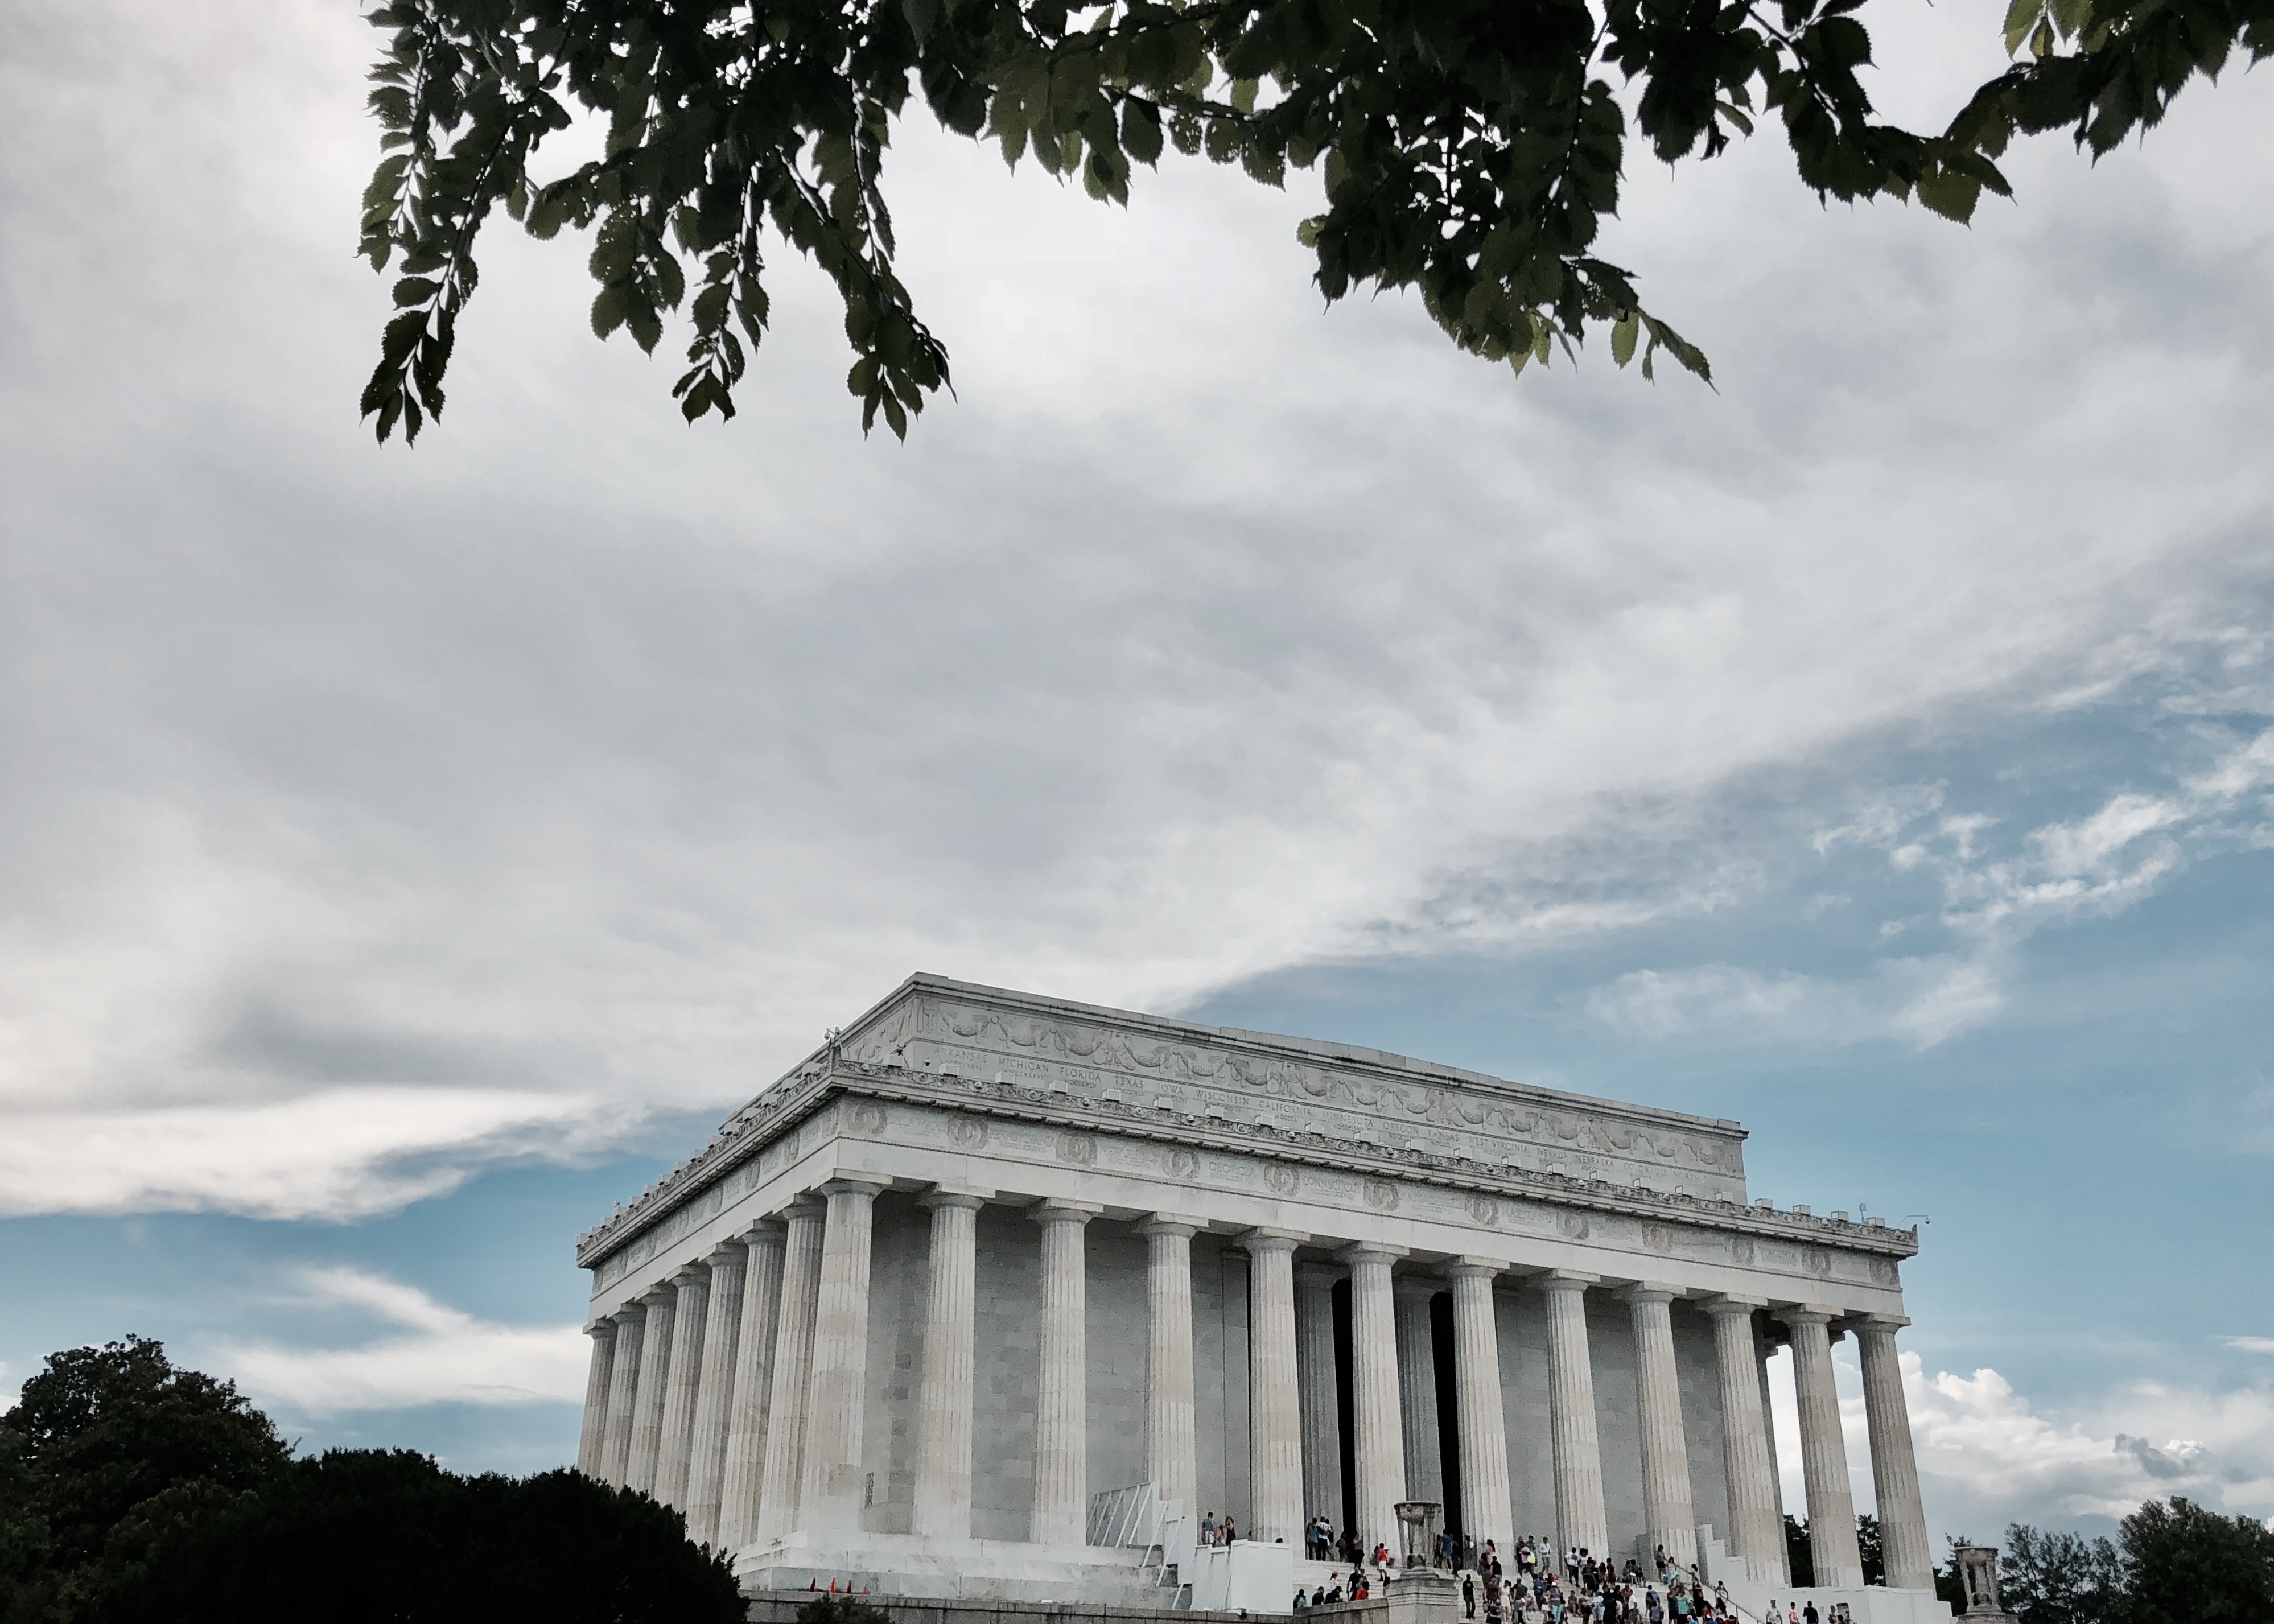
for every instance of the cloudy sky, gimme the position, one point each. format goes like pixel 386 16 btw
pixel 405 854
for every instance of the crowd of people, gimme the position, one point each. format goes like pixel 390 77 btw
pixel 1538 1585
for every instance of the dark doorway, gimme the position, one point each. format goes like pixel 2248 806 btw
pixel 1448 1411
pixel 1345 1403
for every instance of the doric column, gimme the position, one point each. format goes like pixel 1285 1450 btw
pixel 714 1395
pixel 623 1395
pixel 1756 1525
pixel 753 1391
pixel 944 1413
pixel 1485 1506
pixel 1667 1521
pixel 1062 1391
pixel 1894 1468
pixel 1580 1519
pixel 690 1320
pixel 1275 1417
pixel 1823 1452
pixel 1768 1346
pixel 1417 1388
pixel 778 1487
pixel 1169 1460
pixel 593 1439
pixel 654 1388
pixel 1377 1439
pixel 1321 1388
pixel 836 1388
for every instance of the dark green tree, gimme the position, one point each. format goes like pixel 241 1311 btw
pixel 1799 1558
pixel 1871 1545
pixel 2060 1578
pixel 2184 1565
pixel 1471 149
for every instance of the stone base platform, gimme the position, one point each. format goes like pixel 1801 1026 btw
pixel 896 1567
pixel 781 1608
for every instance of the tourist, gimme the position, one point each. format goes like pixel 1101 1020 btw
pixel 1207 1528
pixel 1301 1600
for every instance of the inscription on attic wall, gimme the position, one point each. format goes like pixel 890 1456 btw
pixel 1095 1061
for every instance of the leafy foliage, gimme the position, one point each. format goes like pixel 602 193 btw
pixel 1799 1556
pixel 2184 1565
pixel 131 1493
pixel 2054 1578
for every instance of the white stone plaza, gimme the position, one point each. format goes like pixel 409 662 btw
pixel 987 1255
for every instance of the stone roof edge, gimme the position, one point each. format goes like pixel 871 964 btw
pixel 1313 1049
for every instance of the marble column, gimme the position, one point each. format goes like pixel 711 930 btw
pixel 714 1395
pixel 1274 1415
pixel 592 1441
pixel 1668 1522
pixel 745 1461
pixel 1768 1346
pixel 1580 1519
pixel 943 1402
pixel 1823 1452
pixel 623 1394
pixel 1894 1467
pixel 654 1388
pixel 1485 1505
pixel 778 1484
pixel 1316 1380
pixel 1169 1449
pixel 1062 1389
pixel 1756 1531
pixel 837 1386
pixel 1417 1388
pixel 1377 1439
pixel 690 1320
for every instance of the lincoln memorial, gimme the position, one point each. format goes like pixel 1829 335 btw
pixel 995 1296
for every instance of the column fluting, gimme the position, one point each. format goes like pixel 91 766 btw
pixel 1580 1519
pixel 779 1512
pixel 837 1386
pixel 1170 1461
pixel 654 1390
pixel 1275 1421
pixel 1823 1452
pixel 943 1402
pixel 1062 1389
pixel 1756 1531
pixel 592 1441
pixel 1768 1346
pixel 1668 1521
pixel 1321 1388
pixel 1417 1388
pixel 1377 1441
pixel 1895 1465
pixel 753 1391
pixel 623 1395
pixel 690 1322
pixel 1486 1507
pixel 714 1395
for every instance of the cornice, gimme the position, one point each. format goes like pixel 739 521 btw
pixel 827 1076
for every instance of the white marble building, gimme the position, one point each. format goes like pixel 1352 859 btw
pixel 987 1255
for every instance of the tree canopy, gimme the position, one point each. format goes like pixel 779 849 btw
pixel 132 1492
pixel 1471 148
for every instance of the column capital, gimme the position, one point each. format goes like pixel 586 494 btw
pixel 1805 1313
pixel 727 1254
pixel 601 1327
pixel 1264 1240
pixel 1565 1280
pixel 810 1205
pixel 1726 1304
pixel 848 1182
pixel 1646 1291
pixel 1475 1268
pixel 695 1273
pixel 972 1196
pixel 1052 1210
pixel 765 1229
pixel 663 1294
pixel 1172 1223
pixel 1890 1323
pixel 1370 1251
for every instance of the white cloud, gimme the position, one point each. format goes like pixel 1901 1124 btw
pixel 439 1356
pixel 374 813
pixel 2250 1344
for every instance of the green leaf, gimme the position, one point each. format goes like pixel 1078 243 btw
pixel 2021 17
pixel 1624 331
